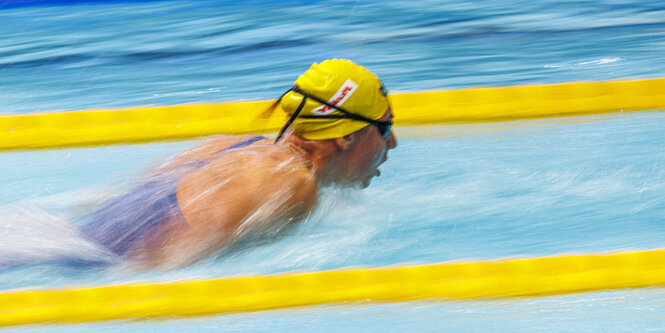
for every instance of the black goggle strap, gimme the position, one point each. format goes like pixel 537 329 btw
pixel 384 126
pixel 271 108
pixel 293 116
pixel 347 114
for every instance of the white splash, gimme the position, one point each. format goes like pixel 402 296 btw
pixel 600 61
pixel 32 235
pixel 189 93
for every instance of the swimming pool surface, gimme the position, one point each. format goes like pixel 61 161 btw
pixel 459 192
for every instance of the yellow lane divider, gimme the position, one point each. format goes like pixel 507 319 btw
pixel 101 127
pixel 484 279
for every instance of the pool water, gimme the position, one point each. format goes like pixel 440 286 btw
pixel 457 192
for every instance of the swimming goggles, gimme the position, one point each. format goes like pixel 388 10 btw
pixel 384 127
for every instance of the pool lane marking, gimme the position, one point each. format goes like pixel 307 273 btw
pixel 473 105
pixel 540 276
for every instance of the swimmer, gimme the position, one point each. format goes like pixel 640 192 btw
pixel 338 133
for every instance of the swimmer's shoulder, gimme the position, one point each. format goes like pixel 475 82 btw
pixel 237 185
pixel 254 170
pixel 213 145
pixel 268 164
pixel 209 149
pixel 221 142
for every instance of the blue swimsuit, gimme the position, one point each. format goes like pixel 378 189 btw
pixel 137 215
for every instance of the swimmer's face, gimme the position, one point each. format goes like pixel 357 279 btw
pixel 366 153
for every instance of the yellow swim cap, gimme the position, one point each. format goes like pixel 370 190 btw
pixel 341 83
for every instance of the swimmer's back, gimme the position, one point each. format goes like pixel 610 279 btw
pixel 236 192
pixel 150 216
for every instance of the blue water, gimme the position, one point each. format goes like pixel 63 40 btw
pixel 525 188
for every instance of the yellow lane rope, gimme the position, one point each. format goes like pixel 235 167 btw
pixel 101 127
pixel 483 279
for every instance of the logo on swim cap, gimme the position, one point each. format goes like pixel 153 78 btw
pixel 339 98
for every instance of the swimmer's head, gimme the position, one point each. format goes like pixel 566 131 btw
pixel 344 106
pixel 335 98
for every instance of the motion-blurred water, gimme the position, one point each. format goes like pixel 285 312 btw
pixel 527 188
